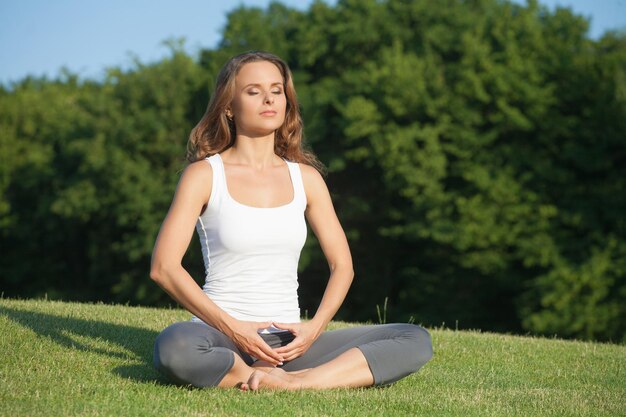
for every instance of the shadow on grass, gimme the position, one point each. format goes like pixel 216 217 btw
pixel 135 342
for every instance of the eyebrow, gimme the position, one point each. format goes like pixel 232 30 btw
pixel 259 85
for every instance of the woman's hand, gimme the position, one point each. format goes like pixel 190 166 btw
pixel 244 334
pixel 305 333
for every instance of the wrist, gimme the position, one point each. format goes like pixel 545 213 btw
pixel 319 323
pixel 225 324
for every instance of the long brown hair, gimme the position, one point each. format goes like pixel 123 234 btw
pixel 215 133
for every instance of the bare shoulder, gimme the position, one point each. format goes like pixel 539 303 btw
pixel 311 176
pixel 201 167
pixel 197 179
pixel 314 184
pixel 198 171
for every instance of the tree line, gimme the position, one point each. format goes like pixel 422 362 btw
pixel 475 150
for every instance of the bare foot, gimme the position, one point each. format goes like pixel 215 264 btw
pixel 299 372
pixel 279 372
pixel 291 376
pixel 263 380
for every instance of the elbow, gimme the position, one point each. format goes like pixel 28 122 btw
pixel 158 273
pixel 346 270
pixel 349 270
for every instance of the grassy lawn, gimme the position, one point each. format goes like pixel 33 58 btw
pixel 72 359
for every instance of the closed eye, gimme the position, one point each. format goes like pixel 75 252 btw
pixel 254 93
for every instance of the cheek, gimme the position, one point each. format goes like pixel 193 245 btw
pixel 247 104
pixel 283 103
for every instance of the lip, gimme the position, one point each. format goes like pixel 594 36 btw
pixel 268 113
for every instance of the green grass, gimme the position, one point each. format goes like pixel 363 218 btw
pixel 72 359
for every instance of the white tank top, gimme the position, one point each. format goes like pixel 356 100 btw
pixel 250 253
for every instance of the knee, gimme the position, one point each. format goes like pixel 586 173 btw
pixel 165 347
pixel 187 355
pixel 420 341
pixel 170 349
pixel 424 342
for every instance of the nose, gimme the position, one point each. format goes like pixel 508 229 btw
pixel 269 98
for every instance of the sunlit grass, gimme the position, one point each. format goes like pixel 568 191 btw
pixel 72 359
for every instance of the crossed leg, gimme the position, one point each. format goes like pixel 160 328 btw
pixel 197 354
pixel 350 369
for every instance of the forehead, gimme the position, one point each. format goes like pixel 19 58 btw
pixel 260 72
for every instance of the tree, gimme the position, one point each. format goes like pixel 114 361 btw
pixel 475 153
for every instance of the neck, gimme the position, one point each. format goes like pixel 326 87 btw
pixel 255 152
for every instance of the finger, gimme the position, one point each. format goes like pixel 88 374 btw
pixel 285 326
pixel 262 324
pixel 264 357
pixel 285 350
pixel 260 350
pixel 271 355
pixel 293 355
pixel 288 348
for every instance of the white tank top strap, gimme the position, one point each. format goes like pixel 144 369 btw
pixel 298 184
pixel 218 190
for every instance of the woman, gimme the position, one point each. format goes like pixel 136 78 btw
pixel 248 188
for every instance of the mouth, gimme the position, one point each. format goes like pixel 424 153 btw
pixel 268 113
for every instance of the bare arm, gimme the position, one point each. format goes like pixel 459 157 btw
pixel 321 216
pixel 324 222
pixel 173 240
pixel 192 193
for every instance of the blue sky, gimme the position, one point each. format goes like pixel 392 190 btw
pixel 38 37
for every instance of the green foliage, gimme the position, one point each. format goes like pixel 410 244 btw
pixel 475 150
pixel 91 171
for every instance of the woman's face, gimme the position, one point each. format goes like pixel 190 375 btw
pixel 259 103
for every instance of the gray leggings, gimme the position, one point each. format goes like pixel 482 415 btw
pixel 198 354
